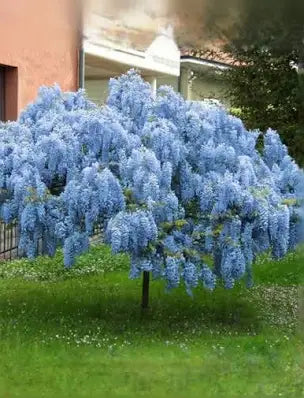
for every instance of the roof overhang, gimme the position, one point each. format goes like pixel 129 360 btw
pixel 188 61
pixel 161 58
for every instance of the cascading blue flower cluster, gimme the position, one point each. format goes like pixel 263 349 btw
pixel 178 185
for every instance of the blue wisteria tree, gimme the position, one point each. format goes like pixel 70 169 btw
pixel 180 186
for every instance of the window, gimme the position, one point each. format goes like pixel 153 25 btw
pixel 8 93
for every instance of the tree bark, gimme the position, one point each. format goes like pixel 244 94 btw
pixel 217 255
pixel 301 87
pixel 145 290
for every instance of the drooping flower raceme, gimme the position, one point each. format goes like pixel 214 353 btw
pixel 178 185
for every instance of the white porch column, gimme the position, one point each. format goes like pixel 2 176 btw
pixel 185 83
pixel 153 83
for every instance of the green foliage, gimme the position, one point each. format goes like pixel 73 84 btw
pixel 168 227
pixel 129 196
pixel 217 230
pixel 264 90
pixel 192 208
pixel 264 36
pixel 290 202
pixel 34 197
pixel 260 193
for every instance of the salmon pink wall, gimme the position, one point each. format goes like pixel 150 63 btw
pixel 40 38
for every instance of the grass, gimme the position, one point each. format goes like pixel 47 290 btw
pixel 80 333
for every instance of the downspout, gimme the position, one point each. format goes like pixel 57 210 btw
pixel 81 51
pixel 81 66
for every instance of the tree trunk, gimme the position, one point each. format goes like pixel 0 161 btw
pixel 145 290
pixel 217 255
pixel 301 87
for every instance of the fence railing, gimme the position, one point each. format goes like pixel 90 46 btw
pixel 9 240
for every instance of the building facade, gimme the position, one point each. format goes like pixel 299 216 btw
pixel 58 42
pixel 202 75
pixel 39 46
pixel 112 48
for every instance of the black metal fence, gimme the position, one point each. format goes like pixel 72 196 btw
pixel 9 240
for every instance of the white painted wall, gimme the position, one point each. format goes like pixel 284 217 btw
pixel 168 81
pixel 201 88
pixel 206 87
pixel 97 90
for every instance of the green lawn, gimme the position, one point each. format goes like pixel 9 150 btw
pixel 80 333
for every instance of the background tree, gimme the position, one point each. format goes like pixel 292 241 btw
pixel 264 88
pixel 266 38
